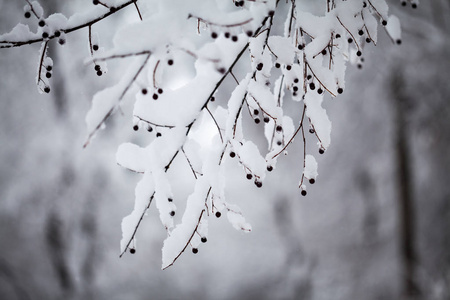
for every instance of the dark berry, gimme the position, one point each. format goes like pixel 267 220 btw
pixel 321 151
pixel 160 91
pixel 279 143
pixel 403 3
pixel 194 250
pixel 359 66
pixel 95 47
pixel 340 90
pixel 296 80
pixel 249 33
pixel 303 193
pixel 204 239
pixel 218 214
pixel 300 47
pixel 295 88
pixel 256 112
pixel 99 73
pixel 311 130
pixel 214 35
pixel 338 36
pixel 241 3
pixel 57 33
pixel 97 68
pixel 277 65
pixel 112 9
pixel 288 67
pixel 227 35
pixel 144 91
pixel 257 120
pixel 259 66
pixel 364 4
pixel 358 53
pixel 361 32
pixel 249 176
pixel 324 52
pixel 155 96
pixel 271 13
pixel 309 77
pixel 384 22
pixel 232 154
pixel 158 134
pixel 48 75
pixel 234 38
pixel 47 89
pixel 132 250
pixel 27 14
pixel 399 42
pixel 95 2
pixel 41 23
pixel 279 128
pixel 312 181
pixel 258 183
pixel 135 127
pixel 350 40
pixel 149 128
pixel 45 35
pixel 172 213
pixel 368 40
pixel 319 91
pixel 414 5
pixel 221 70
pixel 269 168
pixel 212 99
pixel 266 119
pixel 49 68
pixel 170 199
pixel 170 62
pixel 312 86
pixel 61 41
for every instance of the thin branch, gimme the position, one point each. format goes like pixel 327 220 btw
pixel 215 122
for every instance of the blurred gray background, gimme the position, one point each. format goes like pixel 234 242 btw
pixel 376 225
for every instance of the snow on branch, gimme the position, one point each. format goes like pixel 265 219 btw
pixel 180 53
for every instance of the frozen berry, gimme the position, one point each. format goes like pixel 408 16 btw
pixel 259 67
pixel 311 130
pixel 296 80
pixel 97 68
pixel 41 23
pixel 158 134
pixel 300 47
pixel 155 96
pixel 47 89
pixel 368 40
pixel 350 40
pixel 234 38
pixel 358 53
pixel 149 128
pixel 340 90
pixel 160 91
pixel 170 199
pixel 277 65
pixel 399 42
pixel 288 67
pixel 258 183
pixel 324 52
pixel 57 33
pixel 403 3
pixel 27 14
pixel 271 13
pixel 269 168
pixel 95 47
pixel 256 112
pixel 279 143
pixel 312 86
pixel 257 120
pixel 249 33
pixel 312 181
pixel 218 214
pixel 49 68
pixel 414 5
pixel 221 70
pixel 172 213
pixel 194 250
pixel 112 9
pixel 266 119
pixel 303 192
pixel 212 99
pixel 61 41
pixel 321 151
pixel 338 36
pixel 227 35
pixel 170 62
pixel 95 2
pixel 204 239
pixel 48 75
pixel 319 91
pixel 45 35
pixel 309 77
pixel 144 91
pixel 279 128
pixel 135 127
pixel 295 88
pixel 214 35
pixel 232 154
pixel 359 66
pixel 384 22
pixel 132 250
pixel 361 32
pixel 249 176
pixel 99 73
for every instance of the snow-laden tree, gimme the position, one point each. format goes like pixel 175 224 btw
pixel 180 53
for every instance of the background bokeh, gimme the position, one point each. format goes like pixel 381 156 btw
pixel 61 206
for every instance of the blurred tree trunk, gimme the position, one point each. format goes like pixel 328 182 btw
pixel 406 210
